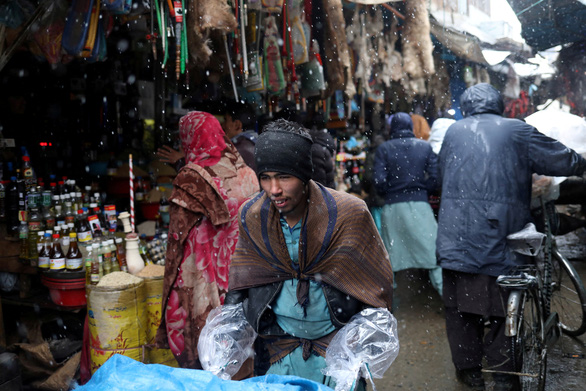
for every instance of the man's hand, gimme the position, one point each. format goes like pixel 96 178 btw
pixel 168 155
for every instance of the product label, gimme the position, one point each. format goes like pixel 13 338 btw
pixel 57 263
pixel 164 208
pixel 50 223
pixel 34 226
pixel 70 219
pixel 65 241
pixel 95 278
pixel 73 263
pixel 95 223
pixel 84 236
pixel 44 262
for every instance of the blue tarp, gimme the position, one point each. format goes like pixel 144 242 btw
pixel 121 373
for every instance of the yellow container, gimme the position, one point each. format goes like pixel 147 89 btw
pixel 154 302
pixel 117 321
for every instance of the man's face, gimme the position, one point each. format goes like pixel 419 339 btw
pixel 288 193
pixel 231 128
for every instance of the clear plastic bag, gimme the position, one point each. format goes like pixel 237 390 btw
pixel 225 341
pixel 365 347
pixel 528 241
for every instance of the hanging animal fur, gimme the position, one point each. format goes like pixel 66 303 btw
pixel 416 39
pixel 337 57
pixel 203 17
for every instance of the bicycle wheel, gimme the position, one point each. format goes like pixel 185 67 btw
pixel 529 344
pixel 568 296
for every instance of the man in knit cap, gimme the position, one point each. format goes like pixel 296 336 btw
pixel 308 258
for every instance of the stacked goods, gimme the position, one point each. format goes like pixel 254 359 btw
pixel 153 278
pixel 117 311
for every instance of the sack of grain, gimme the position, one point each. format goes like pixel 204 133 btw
pixel 153 279
pixel 118 320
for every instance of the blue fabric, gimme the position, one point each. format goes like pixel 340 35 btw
pixel 293 364
pixel 405 168
pixel 485 164
pixel 122 373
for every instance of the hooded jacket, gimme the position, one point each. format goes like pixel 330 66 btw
pixel 485 164
pixel 405 167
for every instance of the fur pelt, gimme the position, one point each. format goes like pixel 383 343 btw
pixel 337 56
pixel 202 17
pixel 439 86
pixel 417 46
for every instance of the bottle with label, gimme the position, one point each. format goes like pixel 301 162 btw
pixel 47 209
pixel 35 224
pixel 27 173
pixel 95 264
pixel 114 257
pixel 65 238
pixel 69 213
pixel 56 257
pixel 45 253
pixel 84 231
pixel 58 210
pixel 121 254
pixel 12 222
pixel 40 241
pixel 74 258
pixel 143 250
pixel 106 257
pixel 23 237
pixel 164 208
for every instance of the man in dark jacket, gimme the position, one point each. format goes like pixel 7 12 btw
pixel 405 171
pixel 308 258
pixel 486 163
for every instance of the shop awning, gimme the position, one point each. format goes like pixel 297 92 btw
pixel 548 23
pixel 462 44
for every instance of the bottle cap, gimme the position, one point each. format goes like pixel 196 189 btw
pixel 55 236
pixel 57 228
pixel 118 240
pixel 26 158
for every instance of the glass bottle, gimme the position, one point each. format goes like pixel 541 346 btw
pixel 45 253
pixel 84 231
pixel 64 238
pixel 23 237
pixel 35 224
pixel 40 242
pixel 74 258
pixel 58 207
pixel 121 254
pixel 106 257
pixel 164 208
pixel 69 213
pixel 47 209
pixel 95 264
pixel 57 257
pixel 114 256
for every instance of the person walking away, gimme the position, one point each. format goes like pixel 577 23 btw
pixel 405 171
pixel 203 231
pixel 486 164
pixel 308 258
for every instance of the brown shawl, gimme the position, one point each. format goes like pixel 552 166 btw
pixel 339 246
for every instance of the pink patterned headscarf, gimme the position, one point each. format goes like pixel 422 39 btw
pixel 202 138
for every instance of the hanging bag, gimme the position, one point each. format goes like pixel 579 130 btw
pixel 77 26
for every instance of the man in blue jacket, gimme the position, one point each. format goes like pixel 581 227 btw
pixel 485 167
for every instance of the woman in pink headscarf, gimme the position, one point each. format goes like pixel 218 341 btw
pixel 203 232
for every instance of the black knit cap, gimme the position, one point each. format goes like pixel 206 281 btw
pixel 284 151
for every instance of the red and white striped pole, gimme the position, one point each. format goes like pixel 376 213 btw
pixel 131 192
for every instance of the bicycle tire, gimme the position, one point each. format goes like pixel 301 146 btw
pixel 568 296
pixel 529 344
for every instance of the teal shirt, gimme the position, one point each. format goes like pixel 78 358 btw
pixel 290 316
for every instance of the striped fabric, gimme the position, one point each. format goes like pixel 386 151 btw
pixel 339 246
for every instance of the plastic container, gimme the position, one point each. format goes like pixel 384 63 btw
pixel 66 288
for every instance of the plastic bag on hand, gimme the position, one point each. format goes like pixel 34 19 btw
pixel 225 341
pixel 366 346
